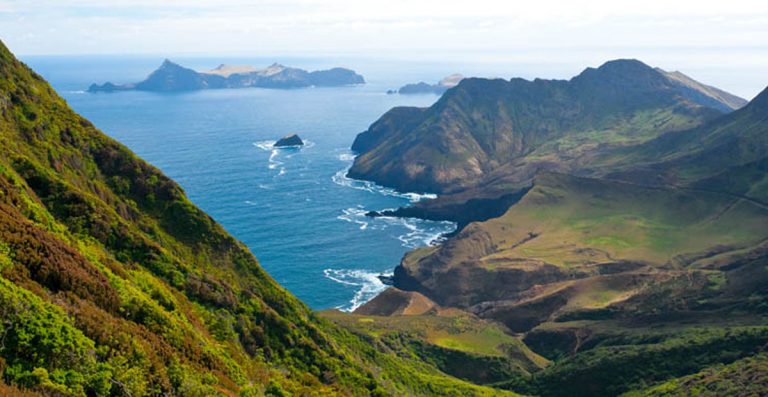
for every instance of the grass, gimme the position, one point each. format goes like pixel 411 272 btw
pixel 745 377
pixel 488 340
pixel 614 368
pixel 621 221
pixel 455 330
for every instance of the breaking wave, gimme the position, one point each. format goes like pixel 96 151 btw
pixel 366 283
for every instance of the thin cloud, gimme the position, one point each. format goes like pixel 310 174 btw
pixel 573 32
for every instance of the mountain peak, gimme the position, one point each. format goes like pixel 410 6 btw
pixel 761 100
pixel 624 65
pixel 167 63
pixel 628 70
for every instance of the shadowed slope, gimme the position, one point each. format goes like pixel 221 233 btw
pixel 484 129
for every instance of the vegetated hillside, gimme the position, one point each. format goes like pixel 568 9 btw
pixel 581 244
pixel 622 286
pixel 489 130
pixel 728 154
pixel 458 343
pixel 743 378
pixel 113 283
pixel 647 277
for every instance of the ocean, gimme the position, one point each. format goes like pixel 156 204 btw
pixel 294 208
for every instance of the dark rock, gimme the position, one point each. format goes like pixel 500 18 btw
pixel 289 140
pixel 386 280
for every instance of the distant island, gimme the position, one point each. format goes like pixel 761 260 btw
pixel 425 88
pixel 171 76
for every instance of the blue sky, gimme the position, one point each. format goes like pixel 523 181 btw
pixel 729 36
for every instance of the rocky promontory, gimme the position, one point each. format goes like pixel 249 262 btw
pixel 425 88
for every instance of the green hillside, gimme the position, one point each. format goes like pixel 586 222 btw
pixel 621 286
pixel 485 130
pixel 112 283
pixel 743 378
pixel 728 154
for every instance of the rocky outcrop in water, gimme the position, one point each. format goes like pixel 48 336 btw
pixel 289 140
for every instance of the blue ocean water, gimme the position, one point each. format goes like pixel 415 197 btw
pixel 294 208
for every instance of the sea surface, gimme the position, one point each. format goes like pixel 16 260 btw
pixel 294 208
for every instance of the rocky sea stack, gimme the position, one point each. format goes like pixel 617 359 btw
pixel 289 140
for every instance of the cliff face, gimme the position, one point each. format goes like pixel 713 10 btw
pixel 113 283
pixel 484 129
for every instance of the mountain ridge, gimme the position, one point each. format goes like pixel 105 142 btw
pixel 632 257
pixel 481 126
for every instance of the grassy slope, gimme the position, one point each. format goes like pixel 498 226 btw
pixel 728 154
pixel 621 285
pixel 743 378
pixel 508 129
pixel 621 222
pixel 113 283
pixel 458 343
pixel 624 286
pixel 567 228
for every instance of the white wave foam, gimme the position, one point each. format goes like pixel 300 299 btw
pixel 273 161
pixel 341 178
pixel 419 236
pixel 276 154
pixel 355 215
pixel 265 145
pixel 418 232
pixel 367 283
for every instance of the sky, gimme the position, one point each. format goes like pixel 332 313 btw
pixel 717 39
